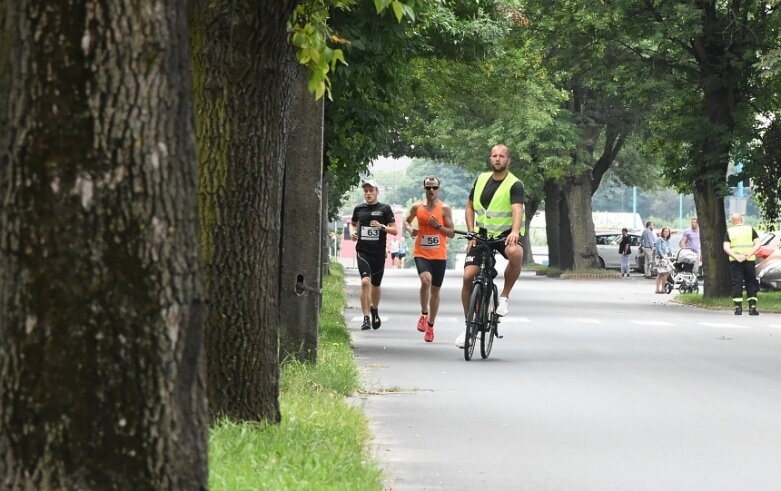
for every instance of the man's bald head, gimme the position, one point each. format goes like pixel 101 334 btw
pixel 736 218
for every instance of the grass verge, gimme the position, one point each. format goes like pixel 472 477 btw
pixel 322 441
pixel 769 302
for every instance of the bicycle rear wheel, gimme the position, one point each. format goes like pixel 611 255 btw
pixel 473 320
pixel 489 323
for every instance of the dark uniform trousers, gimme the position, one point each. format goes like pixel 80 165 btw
pixel 743 272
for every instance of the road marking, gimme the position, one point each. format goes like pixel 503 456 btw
pixel 589 321
pixel 723 324
pixel 777 326
pixel 515 320
pixel 653 323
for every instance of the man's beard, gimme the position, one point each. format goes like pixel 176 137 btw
pixel 501 168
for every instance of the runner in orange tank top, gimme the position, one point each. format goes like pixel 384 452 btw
pixel 435 225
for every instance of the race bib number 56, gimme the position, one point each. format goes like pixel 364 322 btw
pixel 429 241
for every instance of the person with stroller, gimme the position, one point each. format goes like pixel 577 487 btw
pixel 741 243
pixel 664 255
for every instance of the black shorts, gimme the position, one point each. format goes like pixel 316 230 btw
pixel 436 267
pixel 371 266
pixel 475 255
pixel 394 255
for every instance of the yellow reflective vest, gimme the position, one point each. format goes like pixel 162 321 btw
pixel 498 217
pixel 741 240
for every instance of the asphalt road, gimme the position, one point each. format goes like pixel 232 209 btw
pixel 597 385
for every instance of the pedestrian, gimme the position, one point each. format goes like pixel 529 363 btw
pixel 402 252
pixel 435 225
pixel 691 240
pixel 494 209
pixel 663 257
pixel 394 251
pixel 741 243
pixel 647 240
pixel 625 250
pixel 369 226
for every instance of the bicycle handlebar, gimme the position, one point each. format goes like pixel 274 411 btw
pixel 479 238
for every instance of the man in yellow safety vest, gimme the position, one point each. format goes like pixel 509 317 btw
pixel 495 209
pixel 741 244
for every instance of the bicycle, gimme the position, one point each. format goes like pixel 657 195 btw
pixel 481 314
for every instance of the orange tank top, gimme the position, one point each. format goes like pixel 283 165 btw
pixel 430 242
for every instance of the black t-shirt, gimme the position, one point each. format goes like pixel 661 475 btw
pixel 517 192
pixel 624 245
pixel 371 240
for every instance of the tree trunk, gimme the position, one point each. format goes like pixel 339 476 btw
pixel 710 212
pixel 584 245
pixel 241 83
pixel 101 304
pixel 302 223
pixel 530 211
pixel 552 207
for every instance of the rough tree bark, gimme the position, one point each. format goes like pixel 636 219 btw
pixel 299 283
pixel 241 91
pixel 101 307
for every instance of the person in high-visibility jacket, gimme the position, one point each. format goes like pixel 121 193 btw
pixel 741 243
pixel 495 208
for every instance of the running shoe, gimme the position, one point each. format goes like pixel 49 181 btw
pixel 502 309
pixel 422 322
pixel 429 336
pixel 461 339
pixel 376 322
pixel 366 324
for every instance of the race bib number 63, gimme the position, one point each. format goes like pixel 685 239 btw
pixel 370 233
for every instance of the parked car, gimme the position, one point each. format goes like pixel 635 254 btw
pixel 607 249
pixel 768 267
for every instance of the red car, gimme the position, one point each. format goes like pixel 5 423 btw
pixel 768 267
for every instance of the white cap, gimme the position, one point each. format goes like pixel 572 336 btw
pixel 370 182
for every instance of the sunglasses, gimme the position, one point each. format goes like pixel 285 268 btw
pixel 431 188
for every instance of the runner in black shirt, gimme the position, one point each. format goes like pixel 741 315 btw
pixel 370 224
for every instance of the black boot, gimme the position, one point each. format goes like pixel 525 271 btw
pixel 752 308
pixel 738 310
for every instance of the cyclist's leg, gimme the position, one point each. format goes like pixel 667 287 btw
pixel 514 255
pixel 466 288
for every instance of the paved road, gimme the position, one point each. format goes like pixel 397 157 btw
pixel 597 385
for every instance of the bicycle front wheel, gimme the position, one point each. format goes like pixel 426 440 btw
pixel 473 320
pixel 489 323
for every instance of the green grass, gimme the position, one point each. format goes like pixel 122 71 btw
pixel 768 302
pixel 321 442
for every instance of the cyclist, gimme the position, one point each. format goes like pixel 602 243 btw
pixel 435 224
pixel 370 224
pixel 495 208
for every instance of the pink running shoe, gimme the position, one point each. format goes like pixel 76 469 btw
pixel 422 322
pixel 429 336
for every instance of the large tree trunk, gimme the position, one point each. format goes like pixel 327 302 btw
pixel 552 196
pixel 531 209
pixel 241 91
pixel 584 245
pixel 302 223
pixel 101 305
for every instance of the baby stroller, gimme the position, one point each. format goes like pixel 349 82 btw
pixel 681 272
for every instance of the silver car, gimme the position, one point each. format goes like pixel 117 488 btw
pixel 607 249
